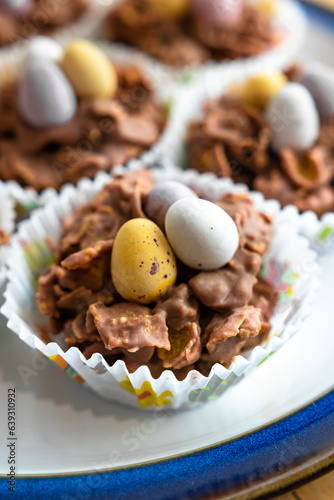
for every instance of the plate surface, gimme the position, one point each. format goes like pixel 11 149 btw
pixel 250 436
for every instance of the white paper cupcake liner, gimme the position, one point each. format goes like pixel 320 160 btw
pixel 289 19
pixel 7 224
pixel 290 265
pixel 320 233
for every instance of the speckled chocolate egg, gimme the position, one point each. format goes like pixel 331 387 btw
pixel 260 88
pixel 89 70
pixel 16 7
pixel 170 8
pixel 202 235
pixel 45 96
pixel 218 13
pixel 293 118
pixel 43 46
pixel 143 265
pixel 319 80
pixel 162 196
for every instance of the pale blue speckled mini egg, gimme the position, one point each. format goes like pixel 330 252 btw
pixel 45 96
pixel 162 196
pixel 16 7
pixel 218 13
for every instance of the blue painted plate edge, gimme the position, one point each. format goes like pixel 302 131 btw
pixel 232 466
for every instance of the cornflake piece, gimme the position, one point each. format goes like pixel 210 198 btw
pixel 254 228
pixel 231 286
pixel 180 308
pixel 227 334
pixel 308 171
pixel 185 347
pixel 127 194
pixel 84 257
pixel 130 326
pixel 46 298
pixel 140 357
pixel 77 333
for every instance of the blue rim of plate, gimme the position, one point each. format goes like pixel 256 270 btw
pixel 233 468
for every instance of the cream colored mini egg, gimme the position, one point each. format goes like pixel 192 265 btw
pixel 143 265
pixel 89 70
pixel 293 118
pixel 260 88
pixel 202 235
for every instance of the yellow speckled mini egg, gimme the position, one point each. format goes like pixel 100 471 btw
pixel 142 262
pixel 89 70
pixel 260 88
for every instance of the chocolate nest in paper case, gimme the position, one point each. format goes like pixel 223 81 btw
pixel 206 317
pixel 232 139
pixel 189 41
pixel 103 133
pixel 43 18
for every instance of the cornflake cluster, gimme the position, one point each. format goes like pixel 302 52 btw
pixel 31 17
pixel 233 139
pixel 189 38
pixel 103 133
pixel 206 317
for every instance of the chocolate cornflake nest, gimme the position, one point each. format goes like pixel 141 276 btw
pixel 232 139
pixel 42 19
pixel 103 133
pixel 189 40
pixel 206 317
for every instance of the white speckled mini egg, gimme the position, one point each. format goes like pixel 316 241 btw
pixel 45 96
pixel 319 80
pixel 43 46
pixel 162 196
pixel 293 118
pixel 202 235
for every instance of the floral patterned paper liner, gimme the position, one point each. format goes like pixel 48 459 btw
pixel 290 265
pixel 7 224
